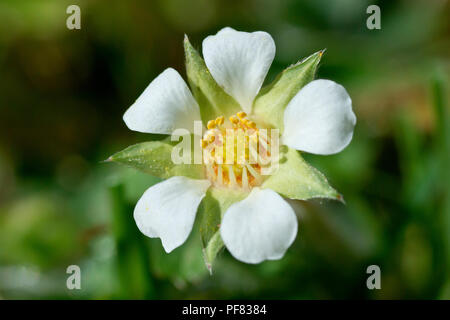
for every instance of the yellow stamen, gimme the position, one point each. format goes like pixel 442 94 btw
pixel 219 175
pixel 244 170
pixel 231 176
pixel 244 178
pixel 211 124
pixel 254 173
pixel 241 114
pixel 210 171
pixel 220 120
pixel 234 120
pixel 251 124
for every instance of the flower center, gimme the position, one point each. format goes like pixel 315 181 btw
pixel 235 151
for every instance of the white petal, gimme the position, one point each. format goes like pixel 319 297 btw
pixel 319 119
pixel 239 62
pixel 167 210
pixel 260 227
pixel 226 29
pixel 165 105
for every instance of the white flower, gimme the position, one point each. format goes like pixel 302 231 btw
pixel 318 119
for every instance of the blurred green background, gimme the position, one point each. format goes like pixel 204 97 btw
pixel 62 96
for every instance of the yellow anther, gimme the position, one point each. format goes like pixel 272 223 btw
pixel 220 120
pixel 243 172
pixel 251 124
pixel 211 124
pixel 241 114
pixel 234 120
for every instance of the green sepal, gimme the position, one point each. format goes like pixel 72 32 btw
pixel 155 158
pixel 210 251
pixel 210 212
pixel 212 99
pixel 272 100
pixel 296 179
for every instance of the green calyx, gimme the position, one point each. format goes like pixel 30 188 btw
pixel 271 101
pixel 212 99
pixel 155 158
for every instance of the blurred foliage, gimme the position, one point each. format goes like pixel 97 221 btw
pixel 62 96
